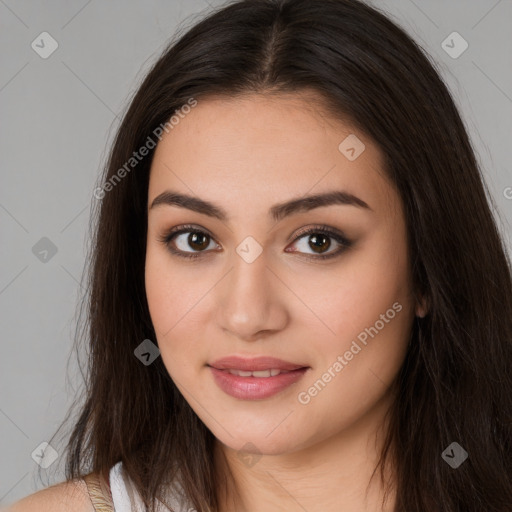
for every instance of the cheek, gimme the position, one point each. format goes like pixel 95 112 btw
pixel 174 305
pixel 161 295
pixel 353 294
pixel 369 314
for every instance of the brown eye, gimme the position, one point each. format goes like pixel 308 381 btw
pixel 186 240
pixel 318 239
pixel 198 241
pixel 319 243
pixel 191 242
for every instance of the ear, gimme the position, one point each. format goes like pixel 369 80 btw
pixel 421 306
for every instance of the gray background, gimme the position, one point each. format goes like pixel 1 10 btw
pixel 58 118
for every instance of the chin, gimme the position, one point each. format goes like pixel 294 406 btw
pixel 260 442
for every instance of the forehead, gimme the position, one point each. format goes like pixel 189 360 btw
pixel 242 151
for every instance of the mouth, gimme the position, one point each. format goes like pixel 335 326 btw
pixel 256 378
pixel 259 374
pixel 255 364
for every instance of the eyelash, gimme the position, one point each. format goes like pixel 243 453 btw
pixel 167 238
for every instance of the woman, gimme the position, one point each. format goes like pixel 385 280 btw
pixel 299 297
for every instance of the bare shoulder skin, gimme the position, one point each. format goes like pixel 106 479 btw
pixel 61 497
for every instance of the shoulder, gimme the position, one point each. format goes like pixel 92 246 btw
pixel 62 497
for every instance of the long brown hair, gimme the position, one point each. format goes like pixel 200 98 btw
pixel 456 381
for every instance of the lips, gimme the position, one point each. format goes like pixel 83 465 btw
pixel 260 373
pixel 255 364
pixel 257 378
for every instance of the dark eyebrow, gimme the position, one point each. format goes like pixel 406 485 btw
pixel 277 212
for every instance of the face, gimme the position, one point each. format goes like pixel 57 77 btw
pixel 322 286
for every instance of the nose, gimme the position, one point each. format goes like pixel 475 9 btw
pixel 251 302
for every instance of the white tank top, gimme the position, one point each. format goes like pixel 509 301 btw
pixel 122 489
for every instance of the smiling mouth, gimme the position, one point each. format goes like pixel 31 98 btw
pixel 255 365
pixel 255 378
pixel 260 373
